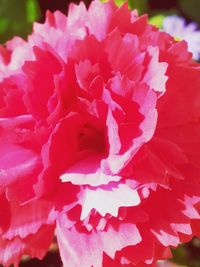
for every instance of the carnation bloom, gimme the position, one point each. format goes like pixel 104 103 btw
pixel 180 30
pixel 99 140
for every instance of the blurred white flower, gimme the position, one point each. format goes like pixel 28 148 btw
pixel 180 30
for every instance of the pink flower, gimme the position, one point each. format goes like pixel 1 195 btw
pixel 99 140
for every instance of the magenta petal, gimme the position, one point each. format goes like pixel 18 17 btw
pixel 82 249
pixel 167 239
pixel 155 76
pixel 16 162
pixel 113 135
pixel 108 200
pixel 27 219
pixel 88 171
pixel 12 251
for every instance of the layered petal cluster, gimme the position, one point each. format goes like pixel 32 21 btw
pixel 99 140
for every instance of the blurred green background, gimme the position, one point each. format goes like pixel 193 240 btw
pixel 17 17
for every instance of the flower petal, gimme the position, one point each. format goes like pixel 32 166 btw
pixel 86 249
pixel 108 200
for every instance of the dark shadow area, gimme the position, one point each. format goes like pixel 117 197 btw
pixel 52 259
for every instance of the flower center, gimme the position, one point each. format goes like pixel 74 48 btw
pixel 91 139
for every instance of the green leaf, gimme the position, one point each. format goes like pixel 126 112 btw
pixel 32 10
pixel 119 2
pixel 191 8
pixel 157 20
pixel 16 18
pixel 141 5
